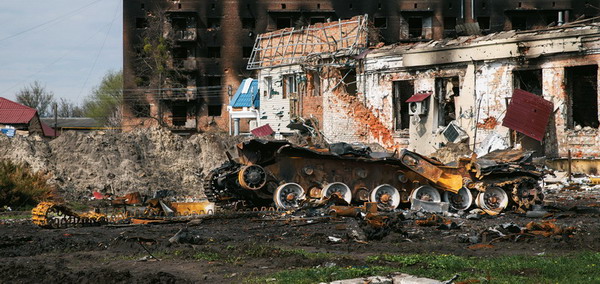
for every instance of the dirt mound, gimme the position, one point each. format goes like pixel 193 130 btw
pixel 145 160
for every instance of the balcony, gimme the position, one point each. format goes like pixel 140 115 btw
pixel 188 34
pixel 178 93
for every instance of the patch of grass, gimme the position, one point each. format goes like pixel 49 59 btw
pixel 268 251
pixel 208 256
pixel 306 254
pixel 575 268
pixel 8 217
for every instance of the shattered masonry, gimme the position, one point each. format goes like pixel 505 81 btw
pixel 362 96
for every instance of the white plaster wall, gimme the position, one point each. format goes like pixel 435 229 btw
pixel 422 129
pixel 494 83
pixel 338 123
pixel 271 106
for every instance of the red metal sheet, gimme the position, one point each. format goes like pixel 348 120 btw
pixel 15 113
pixel 528 114
pixel 418 97
pixel 48 131
pixel 264 130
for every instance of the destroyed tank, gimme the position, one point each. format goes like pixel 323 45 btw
pixel 287 175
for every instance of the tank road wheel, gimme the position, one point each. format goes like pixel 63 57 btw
pixel 386 196
pixel 459 201
pixel 426 193
pixel 288 196
pixel 526 194
pixel 339 188
pixel 361 195
pixel 252 177
pixel 493 200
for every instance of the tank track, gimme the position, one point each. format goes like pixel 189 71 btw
pixel 522 200
pixel 208 186
pixel 212 191
pixel 52 215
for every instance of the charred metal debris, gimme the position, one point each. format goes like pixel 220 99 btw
pixel 292 177
pixel 311 184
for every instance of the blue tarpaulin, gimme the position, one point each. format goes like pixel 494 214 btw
pixel 247 94
pixel 10 132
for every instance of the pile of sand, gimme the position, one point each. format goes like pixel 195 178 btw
pixel 145 160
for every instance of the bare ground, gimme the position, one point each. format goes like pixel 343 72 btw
pixel 232 247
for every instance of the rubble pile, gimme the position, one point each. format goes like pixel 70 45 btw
pixel 145 160
pixel 451 152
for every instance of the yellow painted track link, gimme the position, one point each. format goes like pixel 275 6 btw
pixel 52 215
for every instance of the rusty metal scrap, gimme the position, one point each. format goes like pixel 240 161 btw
pixel 549 228
pixel 290 176
pixel 53 215
pixel 433 220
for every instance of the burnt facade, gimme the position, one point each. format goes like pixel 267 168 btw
pixel 184 59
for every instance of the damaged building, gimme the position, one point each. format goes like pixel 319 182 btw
pixel 184 59
pixel 532 89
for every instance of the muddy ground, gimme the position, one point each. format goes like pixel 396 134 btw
pixel 235 247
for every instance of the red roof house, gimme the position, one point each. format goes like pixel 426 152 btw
pixel 23 118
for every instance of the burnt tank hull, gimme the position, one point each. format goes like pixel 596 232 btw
pixel 277 172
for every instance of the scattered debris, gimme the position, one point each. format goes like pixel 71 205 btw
pixel 184 236
pixel 398 278
pixel 549 228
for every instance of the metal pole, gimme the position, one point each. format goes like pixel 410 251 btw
pixel 569 162
pixel 236 126
pixel 55 118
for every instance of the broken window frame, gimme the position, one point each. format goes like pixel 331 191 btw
pixel 269 87
pixel 569 82
pixel 530 80
pixel 401 114
pixel 522 80
pixel 316 84
pixel 349 80
pixel 441 105
pixel 290 85
pixel 381 23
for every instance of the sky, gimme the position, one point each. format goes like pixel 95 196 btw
pixel 66 45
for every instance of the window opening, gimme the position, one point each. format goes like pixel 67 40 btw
pixel 179 115
pixel 214 110
pixel 582 87
pixel 446 90
pixel 402 91
pixel 415 27
pixel 284 22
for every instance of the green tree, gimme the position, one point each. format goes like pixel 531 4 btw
pixel 36 96
pixel 104 104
